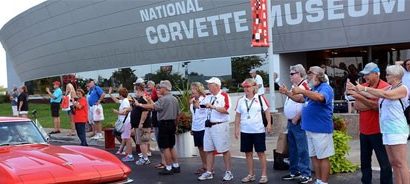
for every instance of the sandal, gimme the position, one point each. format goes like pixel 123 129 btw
pixel 55 132
pixel 200 170
pixel 160 166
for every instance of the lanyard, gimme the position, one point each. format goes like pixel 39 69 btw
pixel 212 103
pixel 249 107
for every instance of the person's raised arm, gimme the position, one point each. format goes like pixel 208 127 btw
pixel 115 99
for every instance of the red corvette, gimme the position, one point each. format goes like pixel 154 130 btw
pixel 26 157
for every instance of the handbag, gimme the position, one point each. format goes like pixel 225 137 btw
pixel 98 113
pixel 145 135
pixel 265 121
pixel 119 125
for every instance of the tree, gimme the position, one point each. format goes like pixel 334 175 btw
pixel 176 79
pixel 124 76
pixel 242 65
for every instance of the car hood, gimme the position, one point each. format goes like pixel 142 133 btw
pixel 60 164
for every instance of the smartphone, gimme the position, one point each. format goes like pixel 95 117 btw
pixel 202 106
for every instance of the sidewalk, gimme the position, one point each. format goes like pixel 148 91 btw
pixel 354 154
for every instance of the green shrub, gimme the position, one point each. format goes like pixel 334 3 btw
pixel 4 98
pixel 338 161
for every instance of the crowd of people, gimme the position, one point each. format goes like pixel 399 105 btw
pixel 308 109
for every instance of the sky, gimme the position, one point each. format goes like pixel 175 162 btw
pixel 8 10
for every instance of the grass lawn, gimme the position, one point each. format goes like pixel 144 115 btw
pixel 44 114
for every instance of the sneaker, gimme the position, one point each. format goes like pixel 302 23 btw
pixel 292 176
pixel 142 161
pixel 206 176
pixel 120 153
pixel 264 179
pixel 305 179
pixel 165 172
pixel 228 176
pixel 176 169
pixel 149 154
pixel 97 136
pixel 249 178
pixel 128 159
pixel 140 155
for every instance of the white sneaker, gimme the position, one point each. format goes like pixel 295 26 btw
pixel 149 154
pixel 228 176
pixel 97 136
pixel 206 176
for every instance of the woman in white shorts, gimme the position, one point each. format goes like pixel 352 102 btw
pixel 393 123
pixel 122 112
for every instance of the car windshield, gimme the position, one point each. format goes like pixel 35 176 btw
pixel 16 133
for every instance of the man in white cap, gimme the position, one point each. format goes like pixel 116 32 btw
pixel 259 81
pixel 217 136
pixel 370 136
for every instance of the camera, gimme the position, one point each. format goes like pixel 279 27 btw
pixel 208 123
pixel 202 106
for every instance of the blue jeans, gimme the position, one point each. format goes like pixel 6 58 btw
pixel 298 150
pixel 368 143
pixel 80 128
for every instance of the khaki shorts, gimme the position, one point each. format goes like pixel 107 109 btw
pixel 217 138
pixel 320 144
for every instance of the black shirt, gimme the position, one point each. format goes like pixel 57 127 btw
pixel 136 115
pixel 23 97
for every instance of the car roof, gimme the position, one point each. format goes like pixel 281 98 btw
pixel 12 119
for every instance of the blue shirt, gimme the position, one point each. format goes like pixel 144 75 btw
pixel 58 94
pixel 317 116
pixel 94 95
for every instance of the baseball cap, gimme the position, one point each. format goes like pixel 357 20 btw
pixel 370 67
pixel 56 83
pixel 252 71
pixel 214 80
pixel 139 81
pixel 166 84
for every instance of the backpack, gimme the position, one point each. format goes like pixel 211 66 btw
pixel 65 103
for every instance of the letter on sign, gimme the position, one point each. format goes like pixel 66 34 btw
pixel 259 23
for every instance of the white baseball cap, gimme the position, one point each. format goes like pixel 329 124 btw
pixel 139 81
pixel 214 80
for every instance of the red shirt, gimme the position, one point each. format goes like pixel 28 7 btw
pixel 369 120
pixel 81 115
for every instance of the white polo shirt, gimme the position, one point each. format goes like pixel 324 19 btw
pixel 198 116
pixel 251 116
pixel 258 79
pixel 292 108
pixel 222 99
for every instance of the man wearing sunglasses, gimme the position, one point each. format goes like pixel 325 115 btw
pixel 298 147
pixel 317 121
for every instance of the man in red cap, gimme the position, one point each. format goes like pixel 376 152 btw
pixel 55 100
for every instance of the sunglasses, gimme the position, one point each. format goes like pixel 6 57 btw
pixel 293 73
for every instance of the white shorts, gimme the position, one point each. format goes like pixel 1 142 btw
pixel 320 144
pixel 394 139
pixel 14 110
pixel 126 133
pixel 90 116
pixel 217 138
